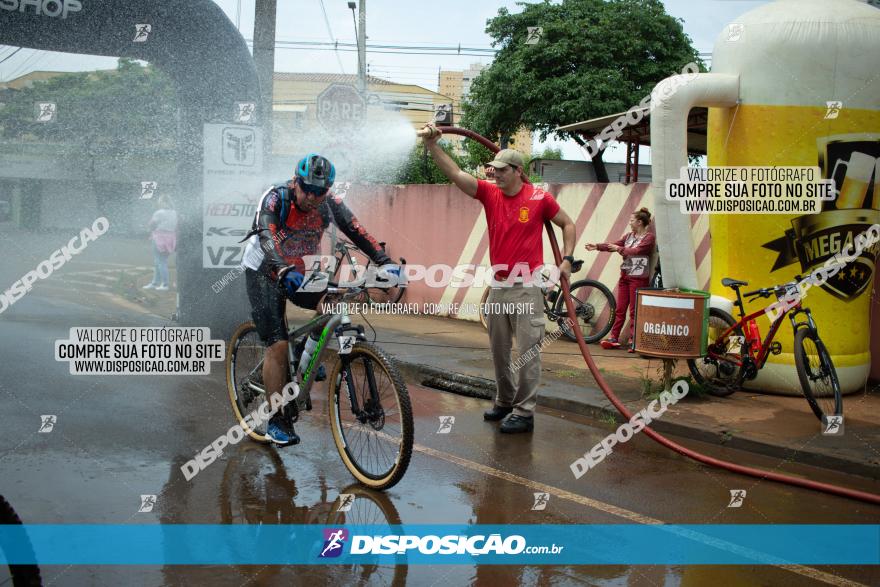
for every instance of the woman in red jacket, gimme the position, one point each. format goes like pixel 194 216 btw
pixel 637 248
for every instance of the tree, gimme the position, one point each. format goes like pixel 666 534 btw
pixel 594 58
pixel 131 107
pixel 421 168
pixel 549 153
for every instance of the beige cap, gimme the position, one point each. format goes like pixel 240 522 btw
pixel 507 157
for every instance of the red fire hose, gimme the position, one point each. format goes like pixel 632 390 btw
pixel 603 385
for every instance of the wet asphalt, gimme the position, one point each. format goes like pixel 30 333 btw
pixel 119 437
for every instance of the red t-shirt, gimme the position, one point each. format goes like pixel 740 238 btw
pixel 516 225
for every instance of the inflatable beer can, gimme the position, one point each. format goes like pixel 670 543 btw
pixel 809 96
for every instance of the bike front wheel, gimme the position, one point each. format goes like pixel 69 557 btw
pixel 594 307
pixel 720 372
pixel 370 416
pixel 244 377
pixel 17 575
pixel 817 374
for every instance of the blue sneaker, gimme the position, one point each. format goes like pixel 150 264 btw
pixel 281 432
pixel 321 373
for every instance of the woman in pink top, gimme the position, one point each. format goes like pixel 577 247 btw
pixel 636 248
pixel 163 227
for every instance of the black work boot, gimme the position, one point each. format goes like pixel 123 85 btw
pixel 496 413
pixel 514 424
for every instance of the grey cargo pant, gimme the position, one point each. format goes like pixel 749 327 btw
pixel 517 386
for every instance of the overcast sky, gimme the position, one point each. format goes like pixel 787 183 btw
pixel 449 23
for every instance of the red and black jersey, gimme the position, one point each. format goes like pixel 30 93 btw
pixel 277 242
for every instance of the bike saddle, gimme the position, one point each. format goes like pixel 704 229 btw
pixel 734 283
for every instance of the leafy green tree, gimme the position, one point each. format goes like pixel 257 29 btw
pixel 421 168
pixel 549 153
pixel 130 107
pixel 594 58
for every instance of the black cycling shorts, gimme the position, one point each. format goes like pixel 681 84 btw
pixel 267 305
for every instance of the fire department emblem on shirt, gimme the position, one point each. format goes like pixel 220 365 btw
pixel 523 214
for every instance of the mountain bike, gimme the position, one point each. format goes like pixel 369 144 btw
pixel 736 353
pixel 17 575
pixel 368 402
pixel 594 306
pixel 377 295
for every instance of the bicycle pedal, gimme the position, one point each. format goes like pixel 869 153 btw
pixel 776 348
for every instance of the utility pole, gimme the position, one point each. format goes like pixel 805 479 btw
pixel 362 45
pixel 264 59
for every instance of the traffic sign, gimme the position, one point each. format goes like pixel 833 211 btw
pixel 341 108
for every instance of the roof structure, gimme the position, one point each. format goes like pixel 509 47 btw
pixel 641 133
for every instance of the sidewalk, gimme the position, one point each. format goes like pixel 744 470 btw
pixel 453 355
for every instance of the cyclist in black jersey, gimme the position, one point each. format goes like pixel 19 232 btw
pixel 289 223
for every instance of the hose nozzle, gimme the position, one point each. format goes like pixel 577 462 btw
pixel 428 132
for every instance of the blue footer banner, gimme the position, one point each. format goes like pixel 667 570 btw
pixel 215 544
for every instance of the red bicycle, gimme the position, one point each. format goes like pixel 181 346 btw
pixel 736 353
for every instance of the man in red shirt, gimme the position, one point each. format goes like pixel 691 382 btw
pixel 515 215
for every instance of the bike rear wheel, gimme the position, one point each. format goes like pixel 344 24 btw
pixel 374 436
pixel 19 575
pixel 716 375
pixel 594 307
pixel 244 360
pixel 817 374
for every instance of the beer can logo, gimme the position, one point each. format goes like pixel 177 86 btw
pixel 853 162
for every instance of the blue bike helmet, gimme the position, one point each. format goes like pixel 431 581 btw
pixel 316 172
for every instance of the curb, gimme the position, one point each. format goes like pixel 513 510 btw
pixel 481 388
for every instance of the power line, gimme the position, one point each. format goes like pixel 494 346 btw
pixel 11 55
pixel 332 38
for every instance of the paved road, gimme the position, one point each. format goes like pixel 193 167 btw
pixel 117 438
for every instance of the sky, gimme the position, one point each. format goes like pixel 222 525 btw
pixel 451 23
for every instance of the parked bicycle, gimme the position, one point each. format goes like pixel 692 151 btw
pixel 368 402
pixel 377 295
pixel 17 575
pixel 593 302
pixel 736 352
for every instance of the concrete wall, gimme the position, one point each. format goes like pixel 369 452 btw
pixel 430 224
pixel 433 224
